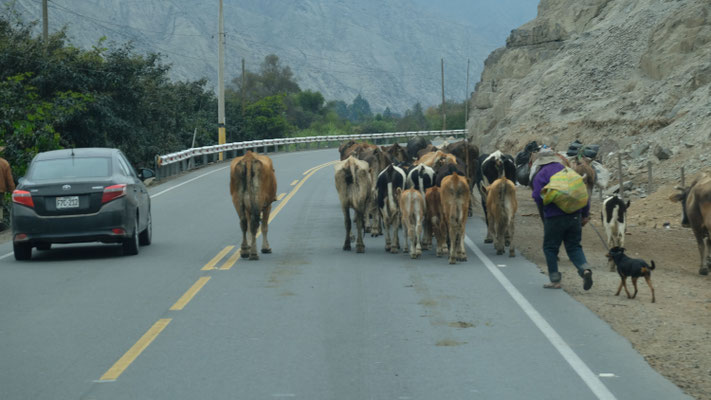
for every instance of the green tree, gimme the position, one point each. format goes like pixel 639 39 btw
pixel 266 119
pixel 359 110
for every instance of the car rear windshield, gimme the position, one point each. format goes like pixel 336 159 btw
pixel 74 167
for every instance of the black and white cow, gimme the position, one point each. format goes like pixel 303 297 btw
pixel 420 177
pixel 614 219
pixel 492 167
pixel 389 179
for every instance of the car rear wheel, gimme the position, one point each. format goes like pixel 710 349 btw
pixel 130 245
pixel 145 238
pixel 23 251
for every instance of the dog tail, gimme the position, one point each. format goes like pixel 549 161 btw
pixel 652 267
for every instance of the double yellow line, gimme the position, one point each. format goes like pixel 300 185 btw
pixel 130 356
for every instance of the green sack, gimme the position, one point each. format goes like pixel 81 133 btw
pixel 566 190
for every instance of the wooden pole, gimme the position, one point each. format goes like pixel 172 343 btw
pixel 221 134
pixel 619 173
pixel 683 184
pixel 649 177
pixel 45 23
pixel 444 114
pixel 466 102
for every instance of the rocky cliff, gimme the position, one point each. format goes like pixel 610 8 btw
pixel 631 75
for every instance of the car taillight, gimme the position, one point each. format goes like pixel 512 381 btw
pixel 113 192
pixel 23 197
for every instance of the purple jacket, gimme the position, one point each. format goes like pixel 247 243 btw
pixel 541 179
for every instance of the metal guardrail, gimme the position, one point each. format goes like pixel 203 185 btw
pixel 174 163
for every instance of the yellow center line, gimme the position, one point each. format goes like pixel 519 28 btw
pixel 183 300
pixel 117 369
pixel 294 182
pixel 211 265
pixel 281 205
pixel 281 196
pixel 231 261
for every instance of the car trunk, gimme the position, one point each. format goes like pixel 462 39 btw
pixel 77 198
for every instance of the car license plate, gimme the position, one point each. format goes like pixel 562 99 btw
pixel 67 202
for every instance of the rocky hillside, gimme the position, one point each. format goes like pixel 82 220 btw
pixel 630 75
pixel 389 52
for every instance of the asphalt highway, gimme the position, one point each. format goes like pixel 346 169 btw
pixel 187 319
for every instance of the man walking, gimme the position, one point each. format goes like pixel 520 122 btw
pixel 559 226
pixel 7 184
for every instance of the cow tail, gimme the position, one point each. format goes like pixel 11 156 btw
pixel 348 174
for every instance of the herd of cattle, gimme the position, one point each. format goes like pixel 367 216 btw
pixel 428 190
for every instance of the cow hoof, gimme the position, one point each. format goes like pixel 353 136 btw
pixel 487 240
pixel 499 252
pixel 367 229
pixel 512 254
pixel 394 250
pixel 244 253
pixel 462 259
pixel 253 257
pixel 347 247
pixel 507 243
pixel 452 261
pixel 704 271
pixel 360 249
pixel 267 251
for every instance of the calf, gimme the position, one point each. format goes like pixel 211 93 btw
pixel 435 223
pixel 354 186
pixel 389 180
pixel 253 190
pixel 614 219
pixel 502 205
pixel 492 167
pixel 696 211
pixel 455 201
pixel 412 210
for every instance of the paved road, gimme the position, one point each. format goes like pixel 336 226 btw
pixel 185 320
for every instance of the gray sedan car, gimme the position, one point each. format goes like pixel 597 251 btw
pixel 81 195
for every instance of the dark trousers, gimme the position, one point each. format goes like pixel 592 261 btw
pixel 566 229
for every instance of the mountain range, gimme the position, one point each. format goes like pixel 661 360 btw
pixel 388 52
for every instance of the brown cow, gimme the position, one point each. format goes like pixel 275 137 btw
pixel 696 212
pixel 455 202
pixel 435 159
pixel 412 213
pixel 253 190
pixel 354 185
pixel 501 206
pixel 435 224
pixel 397 153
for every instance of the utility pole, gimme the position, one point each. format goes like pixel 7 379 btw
pixel 242 92
pixel 221 136
pixel 45 23
pixel 444 114
pixel 466 102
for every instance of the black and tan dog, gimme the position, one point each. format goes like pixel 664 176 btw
pixel 631 267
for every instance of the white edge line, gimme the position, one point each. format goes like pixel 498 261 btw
pixel 590 379
pixel 188 181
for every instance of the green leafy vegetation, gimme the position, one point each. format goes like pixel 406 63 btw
pixel 54 95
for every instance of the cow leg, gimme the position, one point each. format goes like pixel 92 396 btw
pixel 266 249
pixel 512 247
pixel 418 235
pixel 386 229
pixel 244 248
pixel 395 248
pixel 452 243
pixel 360 227
pixel 703 269
pixel 426 241
pixel 253 228
pixel 489 238
pixel 500 243
pixel 460 240
pixel 347 223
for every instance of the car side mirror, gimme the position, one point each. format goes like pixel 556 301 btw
pixel 145 173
